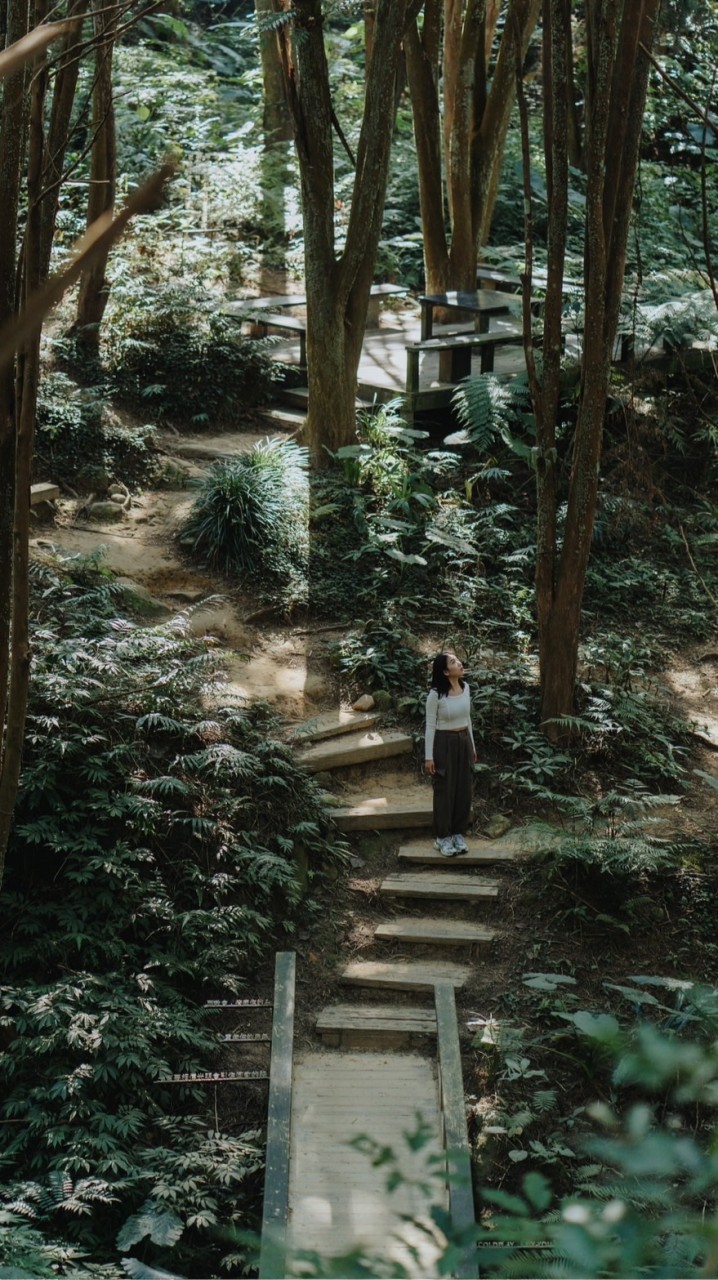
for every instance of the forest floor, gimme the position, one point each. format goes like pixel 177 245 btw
pixel 288 665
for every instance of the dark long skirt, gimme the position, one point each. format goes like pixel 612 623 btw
pixel 453 782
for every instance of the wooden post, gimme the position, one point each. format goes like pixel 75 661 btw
pixel 279 1114
pixel 461 1198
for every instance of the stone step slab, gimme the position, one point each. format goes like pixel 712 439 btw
pixel 381 814
pixel 450 885
pixel 354 748
pixel 330 724
pixel 404 975
pixel 353 1026
pixel 481 853
pixel 43 492
pixel 425 930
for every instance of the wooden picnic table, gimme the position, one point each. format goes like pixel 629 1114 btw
pixel 480 305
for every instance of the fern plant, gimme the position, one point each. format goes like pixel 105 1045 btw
pixel 158 857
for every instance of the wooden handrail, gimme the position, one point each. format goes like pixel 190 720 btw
pixel 273 1247
pixel 456 1143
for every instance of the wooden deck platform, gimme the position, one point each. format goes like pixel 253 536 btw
pixel 338 1198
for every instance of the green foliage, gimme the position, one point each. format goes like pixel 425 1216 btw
pixel 76 429
pixel 382 656
pixel 489 408
pixel 166 350
pixel 154 862
pixel 250 518
pixel 639 1187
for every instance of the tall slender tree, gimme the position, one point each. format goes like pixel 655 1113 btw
pixel 619 36
pixel 94 286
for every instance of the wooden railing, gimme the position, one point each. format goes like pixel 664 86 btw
pixel 453 1117
pixel 279 1115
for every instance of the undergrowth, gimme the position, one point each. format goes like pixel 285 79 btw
pixel 159 856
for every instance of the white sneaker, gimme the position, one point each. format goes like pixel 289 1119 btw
pixel 460 845
pixel 445 845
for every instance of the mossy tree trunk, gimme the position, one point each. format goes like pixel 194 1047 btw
pixel 619 37
pixel 338 280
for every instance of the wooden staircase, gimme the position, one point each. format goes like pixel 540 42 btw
pixel 385 1033
pixel 429 941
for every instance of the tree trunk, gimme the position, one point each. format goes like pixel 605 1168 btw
pixel 470 131
pixel 17 661
pixel 619 36
pixel 422 64
pixel 338 285
pixel 12 137
pixel 63 98
pixel 276 117
pixel 94 286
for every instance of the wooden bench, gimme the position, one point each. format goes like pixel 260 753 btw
pixel 377 294
pixel 461 346
pixel 267 313
pixel 266 320
pixel 510 282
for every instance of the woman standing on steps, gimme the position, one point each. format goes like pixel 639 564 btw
pixel 449 752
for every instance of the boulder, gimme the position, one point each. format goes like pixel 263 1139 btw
pixel 365 703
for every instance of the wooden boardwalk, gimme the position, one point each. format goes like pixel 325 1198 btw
pixel 338 1198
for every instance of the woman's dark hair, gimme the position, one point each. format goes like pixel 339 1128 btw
pixel 439 681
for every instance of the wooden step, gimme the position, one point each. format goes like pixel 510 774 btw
pixel 354 748
pixel 380 814
pixel 43 493
pixel 481 854
pixel 452 884
pixel 450 933
pixel 330 724
pixel 374 1026
pixel 404 975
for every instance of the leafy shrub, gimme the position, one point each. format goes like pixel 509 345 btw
pixel 641 1161
pixel 75 429
pixel 165 349
pixel 250 518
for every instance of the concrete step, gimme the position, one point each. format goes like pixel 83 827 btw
pixel 374 1026
pixel 44 492
pixel 282 418
pixel 330 724
pixel 534 837
pixel 380 814
pixel 481 853
pixel 423 930
pixel 354 748
pixel 404 975
pixel 449 885
pixel 298 397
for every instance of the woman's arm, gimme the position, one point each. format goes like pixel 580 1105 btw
pixel 471 731
pixel 432 704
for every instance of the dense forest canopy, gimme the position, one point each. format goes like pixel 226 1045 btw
pixel 160 841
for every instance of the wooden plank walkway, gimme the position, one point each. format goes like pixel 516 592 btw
pixel 338 1199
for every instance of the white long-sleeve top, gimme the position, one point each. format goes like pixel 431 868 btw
pixel 450 712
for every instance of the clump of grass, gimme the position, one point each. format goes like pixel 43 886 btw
pixel 250 519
